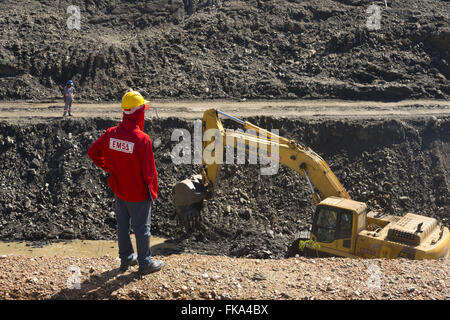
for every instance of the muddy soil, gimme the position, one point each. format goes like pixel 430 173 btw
pixel 226 49
pixel 50 190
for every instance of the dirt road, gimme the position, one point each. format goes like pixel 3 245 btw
pixel 32 111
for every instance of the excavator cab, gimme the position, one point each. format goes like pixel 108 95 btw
pixel 345 228
pixel 336 223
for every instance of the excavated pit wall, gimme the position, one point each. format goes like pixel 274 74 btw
pixel 50 190
pixel 226 49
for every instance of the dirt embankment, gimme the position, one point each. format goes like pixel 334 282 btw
pixel 50 190
pixel 226 49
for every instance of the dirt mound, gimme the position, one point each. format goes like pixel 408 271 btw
pixel 50 190
pixel 226 49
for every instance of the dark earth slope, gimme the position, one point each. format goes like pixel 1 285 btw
pixel 226 49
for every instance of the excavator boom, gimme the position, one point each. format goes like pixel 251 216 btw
pixel 288 152
pixel 188 196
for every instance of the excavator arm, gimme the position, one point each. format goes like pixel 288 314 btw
pixel 289 153
pixel 190 193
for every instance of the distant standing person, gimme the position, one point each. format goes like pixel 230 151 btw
pixel 68 93
pixel 126 153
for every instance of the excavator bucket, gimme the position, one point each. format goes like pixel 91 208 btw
pixel 188 196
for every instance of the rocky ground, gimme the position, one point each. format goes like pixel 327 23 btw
pixel 51 191
pixel 190 276
pixel 226 49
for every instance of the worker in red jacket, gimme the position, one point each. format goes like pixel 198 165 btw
pixel 126 153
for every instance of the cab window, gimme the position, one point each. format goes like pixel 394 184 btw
pixel 333 224
pixel 326 225
pixel 345 225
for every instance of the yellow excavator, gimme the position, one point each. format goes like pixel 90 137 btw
pixel 340 226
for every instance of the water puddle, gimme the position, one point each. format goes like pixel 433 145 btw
pixel 81 248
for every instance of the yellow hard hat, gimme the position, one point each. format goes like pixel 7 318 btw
pixel 133 99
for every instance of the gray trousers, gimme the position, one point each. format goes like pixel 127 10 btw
pixel 68 105
pixel 137 215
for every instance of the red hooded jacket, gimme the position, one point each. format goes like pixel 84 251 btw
pixel 126 153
